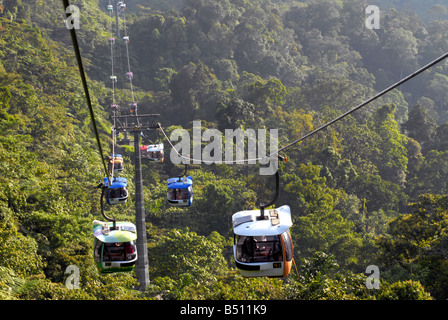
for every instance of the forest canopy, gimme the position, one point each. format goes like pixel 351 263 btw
pixel 368 190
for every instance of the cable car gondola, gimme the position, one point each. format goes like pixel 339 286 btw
pixel 180 191
pixel 117 192
pixel 155 152
pixel 114 246
pixel 262 243
pixel 121 6
pixel 144 151
pixel 116 162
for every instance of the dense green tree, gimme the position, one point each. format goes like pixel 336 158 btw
pixel 429 176
pixel 420 126
pixel 405 290
pixel 235 114
pixel 392 164
pixel 418 238
pixel 437 11
pixel 441 137
pixel 185 259
pixel 283 65
pixel 436 88
pixel 378 193
pixel 18 252
pixel 218 203
pixel 338 172
pixel 265 95
pixel 402 44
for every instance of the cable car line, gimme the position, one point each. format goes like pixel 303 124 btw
pixel 81 69
pixel 395 85
pixel 200 160
pixel 113 77
pixel 103 191
pixel 262 242
pixel 86 89
pixel 129 74
pixel 363 104
pixel 263 245
pixel 112 156
pixel 124 255
pixel 268 204
pixel 114 248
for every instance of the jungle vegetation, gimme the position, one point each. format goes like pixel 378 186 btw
pixel 370 190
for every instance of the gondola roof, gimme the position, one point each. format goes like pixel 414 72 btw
pixel 126 232
pixel 118 182
pixel 155 147
pixel 174 183
pixel 245 223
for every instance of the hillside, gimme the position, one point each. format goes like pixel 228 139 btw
pixel 369 190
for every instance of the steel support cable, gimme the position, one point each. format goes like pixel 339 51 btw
pixel 103 191
pixel 363 104
pixel 127 54
pixel 131 75
pixel 200 160
pixel 113 78
pixel 112 158
pixel 112 56
pixel 395 85
pixel 86 89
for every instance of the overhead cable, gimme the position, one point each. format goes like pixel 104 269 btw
pixel 86 89
pixel 395 85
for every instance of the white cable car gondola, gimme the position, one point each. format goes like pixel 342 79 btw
pixel 155 152
pixel 262 243
pixel 114 246
pixel 121 6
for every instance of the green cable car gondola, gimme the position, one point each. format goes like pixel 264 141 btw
pixel 114 246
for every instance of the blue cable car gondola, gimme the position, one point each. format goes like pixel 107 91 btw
pixel 180 191
pixel 117 192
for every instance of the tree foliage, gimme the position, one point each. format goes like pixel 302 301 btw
pixel 370 189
